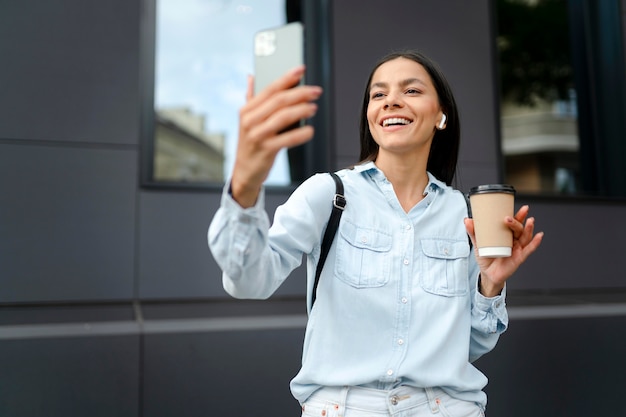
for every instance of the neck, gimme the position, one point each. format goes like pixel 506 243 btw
pixel 409 178
pixel 405 171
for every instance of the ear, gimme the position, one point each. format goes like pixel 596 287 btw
pixel 442 123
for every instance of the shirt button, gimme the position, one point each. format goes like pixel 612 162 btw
pixel 390 372
pixel 407 227
pixel 364 239
pixel 404 300
pixel 400 341
pixel 406 261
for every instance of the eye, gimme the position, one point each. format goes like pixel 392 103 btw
pixel 376 95
pixel 413 91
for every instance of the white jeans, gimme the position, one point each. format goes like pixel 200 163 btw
pixel 400 402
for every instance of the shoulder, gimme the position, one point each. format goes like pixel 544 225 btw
pixel 457 197
pixel 323 183
pixel 315 193
pixel 451 198
pixel 446 190
pixel 316 185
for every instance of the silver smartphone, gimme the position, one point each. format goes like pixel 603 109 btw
pixel 276 51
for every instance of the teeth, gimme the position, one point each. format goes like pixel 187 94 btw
pixel 395 121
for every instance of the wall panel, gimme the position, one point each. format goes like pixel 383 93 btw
pixel 221 373
pixel 67 219
pixel 60 377
pixel 558 367
pixel 70 71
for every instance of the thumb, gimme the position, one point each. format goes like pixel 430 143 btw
pixel 469 228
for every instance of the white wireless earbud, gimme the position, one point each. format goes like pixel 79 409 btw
pixel 442 123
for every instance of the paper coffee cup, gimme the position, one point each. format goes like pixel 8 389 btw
pixel 490 204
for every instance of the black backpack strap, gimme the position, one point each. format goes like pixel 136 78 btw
pixel 339 203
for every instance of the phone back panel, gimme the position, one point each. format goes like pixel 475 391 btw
pixel 276 51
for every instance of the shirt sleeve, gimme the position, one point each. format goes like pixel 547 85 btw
pixel 255 258
pixel 489 317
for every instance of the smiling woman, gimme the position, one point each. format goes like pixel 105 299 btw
pixel 424 80
pixel 403 112
pixel 403 305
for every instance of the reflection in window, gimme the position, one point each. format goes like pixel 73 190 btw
pixel 203 57
pixel 563 95
pixel 540 140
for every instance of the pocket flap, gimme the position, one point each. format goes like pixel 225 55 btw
pixel 365 238
pixel 445 248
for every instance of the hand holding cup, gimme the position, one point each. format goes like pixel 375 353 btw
pixel 506 240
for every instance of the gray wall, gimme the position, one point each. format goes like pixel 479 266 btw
pixel 110 302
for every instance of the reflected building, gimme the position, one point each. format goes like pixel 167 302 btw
pixel 183 150
pixel 540 146
pixel 539 110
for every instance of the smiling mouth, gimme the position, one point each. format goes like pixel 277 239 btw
pixel 395 121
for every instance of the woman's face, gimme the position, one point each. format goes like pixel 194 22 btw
pixel 403 109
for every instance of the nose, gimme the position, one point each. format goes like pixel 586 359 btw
pixel 392 101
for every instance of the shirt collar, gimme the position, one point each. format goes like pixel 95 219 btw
pixel 433 183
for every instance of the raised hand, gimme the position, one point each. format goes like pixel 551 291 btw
pixel 262 123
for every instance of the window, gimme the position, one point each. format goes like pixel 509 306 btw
pixel 561 66
pixel 203 56
pixel 197 55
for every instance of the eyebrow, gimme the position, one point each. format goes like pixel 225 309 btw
pixel 403 83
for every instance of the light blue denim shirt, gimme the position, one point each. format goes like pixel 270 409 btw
pixel 397 301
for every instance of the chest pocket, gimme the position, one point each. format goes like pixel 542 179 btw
pixel 363 255
pixel 446 267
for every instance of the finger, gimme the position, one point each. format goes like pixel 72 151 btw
pixel 522 213
pixel 280 93
pixel 269 132
pixel 469 226
pixel 263 143
pixel 255 114
pixel 288 80
pixel 283 118
pixel 527 234
pixel 250 90
pixel 295 137
pixel 532 246
pixel 515 225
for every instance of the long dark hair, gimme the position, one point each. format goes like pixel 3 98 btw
pixel 444 150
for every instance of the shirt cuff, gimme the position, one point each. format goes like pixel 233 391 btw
pixel 495 318
pixel 243 224
pixel 243 214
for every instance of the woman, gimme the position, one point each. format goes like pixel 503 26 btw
pixel 403 307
